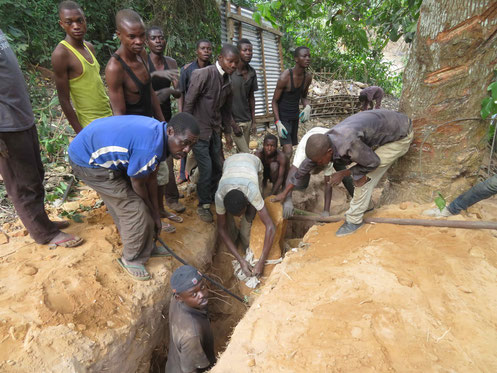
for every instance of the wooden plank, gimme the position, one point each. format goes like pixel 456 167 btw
pixel 250 21
pixel 230 27
pixel 280 50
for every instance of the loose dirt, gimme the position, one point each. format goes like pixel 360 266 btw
pixel 75 310
pixel 388 298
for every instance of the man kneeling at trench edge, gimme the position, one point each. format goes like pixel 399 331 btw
pixel 191 342
pixel 118 157
pixel 374 140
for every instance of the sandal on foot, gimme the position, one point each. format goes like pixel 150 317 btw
pixel 72 241
pixel 159 252
pixel 128 268
pixel 168 228
pixel 175 218
pixel 61 224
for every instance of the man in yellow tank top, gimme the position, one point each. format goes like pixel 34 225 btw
pixel 77 71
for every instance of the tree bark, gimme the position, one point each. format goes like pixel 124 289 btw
pixel 451 63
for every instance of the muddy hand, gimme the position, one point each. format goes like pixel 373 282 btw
pixel 171 74
pixel 258 269
pixel 246 268
pixel 157 227
pixel 277 198
pixel 4 152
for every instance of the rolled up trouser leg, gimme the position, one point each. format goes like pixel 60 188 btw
pixel 480 191
pixel 242 142
pixel 129 211
pixel 388 154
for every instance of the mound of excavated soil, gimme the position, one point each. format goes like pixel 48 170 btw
pixel 75 310
pixel 388 298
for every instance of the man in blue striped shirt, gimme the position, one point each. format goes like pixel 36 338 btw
pixel 118 157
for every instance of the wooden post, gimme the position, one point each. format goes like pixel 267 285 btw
pixel 230 28
pixel 280 50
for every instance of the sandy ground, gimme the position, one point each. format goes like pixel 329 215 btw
pixel 75 310
pixel 388 298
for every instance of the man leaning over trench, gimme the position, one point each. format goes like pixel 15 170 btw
pixel 239 194
pixel 373 140
pixel 118 157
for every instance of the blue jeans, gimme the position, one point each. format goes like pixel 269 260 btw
pixel 480 191
pixel 210 167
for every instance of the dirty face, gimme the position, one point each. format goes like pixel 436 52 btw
pixel 324 159
pixel 195 297
pixel 269 147
pixel 229 62
pixel 132 36
pixel 304 58
pixel 204 51
pixel 73 22
pixel 156 41
pixel 246 52
pixel 179 145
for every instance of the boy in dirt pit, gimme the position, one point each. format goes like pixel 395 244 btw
pixel 274 162
pixel 373 140
pixel 191 342
pixel 292 88
pixel 77 71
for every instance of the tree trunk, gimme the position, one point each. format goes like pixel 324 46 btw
pixel 450 66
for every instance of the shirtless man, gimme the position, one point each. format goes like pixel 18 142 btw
pixel 77 71
pixel 292 88
pixel 127 74
pixel 274 162
pixel 161 67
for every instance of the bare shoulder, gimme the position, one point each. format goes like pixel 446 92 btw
pixel 281 157
pixel 90 46
pixel 308 77
pixel 258 153
pixel 60 52
pixel 113 67
pixel 285 75
pixel 171 62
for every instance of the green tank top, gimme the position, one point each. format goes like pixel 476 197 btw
pixel 88 94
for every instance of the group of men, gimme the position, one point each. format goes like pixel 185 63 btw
pixel 126 142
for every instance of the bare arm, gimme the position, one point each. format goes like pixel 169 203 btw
pixel 114 76
pixel 278 91
pixel 268 240
pixel 305 101
pixel 253 128
pixel 60 67
pixel 327 195
pixel 174 65
pixel 221 228
pixel 156 106
pixel 282 160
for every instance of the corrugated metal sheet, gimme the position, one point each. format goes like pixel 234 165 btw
pixel 266 79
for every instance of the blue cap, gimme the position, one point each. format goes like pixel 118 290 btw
pixel 184 278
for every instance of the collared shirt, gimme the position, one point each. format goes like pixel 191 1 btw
pixel 15 108
pixel 191 342
pixel 185 75
pixel 209 100
pixel 220 69
pixel 300 152
pixel 241 172
pixel 356 138
pixel 131 143
pixel 241 93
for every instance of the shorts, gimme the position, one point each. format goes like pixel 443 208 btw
pixel 292 127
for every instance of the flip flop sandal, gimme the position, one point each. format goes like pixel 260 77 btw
pixel 175 218
pixel 127 268
pixel 168 228
pixel 66 242
pixel 159 252
pixel 61 224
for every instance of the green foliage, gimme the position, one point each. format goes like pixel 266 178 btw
pixel 346 36
pixel 489 108
pixel 52 134
pixel 440 201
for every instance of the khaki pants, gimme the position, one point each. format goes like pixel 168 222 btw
pixel 242 142
pixel 388 154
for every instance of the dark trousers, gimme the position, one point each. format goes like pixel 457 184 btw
pixel 130 213
pixel 172 193
pixel 210 167
pixel 483 190
pixel 23 176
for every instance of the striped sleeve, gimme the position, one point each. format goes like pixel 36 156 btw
pixel 142 163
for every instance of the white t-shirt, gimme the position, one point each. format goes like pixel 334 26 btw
pixel 300 152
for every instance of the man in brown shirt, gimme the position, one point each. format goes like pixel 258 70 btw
pixel 370 94
pixel 209 100
pixel 191 342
